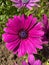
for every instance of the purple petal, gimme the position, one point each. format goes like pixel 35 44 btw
pixel 38 26
pixel 28 21
pixel 36 33
pixel 31 59
pixel 22 49
pixel 45 20
pixel 34 0
pixel 29 47
pixel 36 43
pixel 37 62
pixel 14 24
pixel 24 63
pixel 12 45
pixel 10 31
pixel 33 22
pixel 9 37
pixel 17 1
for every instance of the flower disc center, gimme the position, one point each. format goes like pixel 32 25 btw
pixel 25 1
pixel 23 34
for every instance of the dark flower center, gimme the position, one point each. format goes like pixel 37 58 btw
pixel 23 34
pixel 25 1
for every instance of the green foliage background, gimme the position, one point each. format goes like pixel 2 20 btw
pixel 7 10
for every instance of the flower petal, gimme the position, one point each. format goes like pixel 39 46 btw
pixel 34 0
pixel 28 21
pixel 31 59
pixel 9 37
pixel 10 31
pixel 45 20
pixel 12 45
pixel 36 33
pixel 30 47
pixel 37 62
pixel 24 63
pixel 22 49
pixel 36 42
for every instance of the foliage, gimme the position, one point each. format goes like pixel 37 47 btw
pixel 7 10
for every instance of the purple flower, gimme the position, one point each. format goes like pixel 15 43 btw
pixel 46 29
pixel 23 35
pixel 32 61
pixel 25 3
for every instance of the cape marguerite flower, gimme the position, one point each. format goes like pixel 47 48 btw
pixel 25 3
pixel 23 35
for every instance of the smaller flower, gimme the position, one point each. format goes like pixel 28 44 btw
pixel 46 29
pixel 25 3
pixel 31 61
